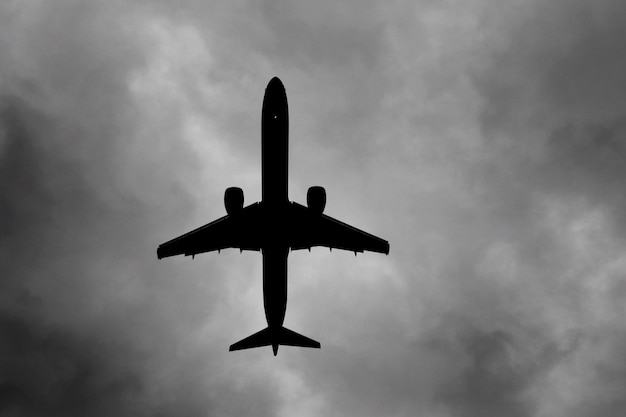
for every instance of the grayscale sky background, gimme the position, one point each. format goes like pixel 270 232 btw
pixel 484 139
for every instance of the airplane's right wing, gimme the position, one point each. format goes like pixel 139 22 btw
pixel 240 231
pixel 308 229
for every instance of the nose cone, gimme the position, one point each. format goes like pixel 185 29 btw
pixel 275 84
pixel 275 103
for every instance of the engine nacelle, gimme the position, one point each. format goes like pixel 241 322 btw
pixel 316 199
pixel 233 200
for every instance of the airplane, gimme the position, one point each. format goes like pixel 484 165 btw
pixel 275 226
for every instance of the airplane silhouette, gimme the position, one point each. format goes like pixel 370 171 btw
pixel 274 226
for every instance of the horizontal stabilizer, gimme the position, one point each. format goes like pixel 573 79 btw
pixel 262 338
pixel 275 336
pixel 291 338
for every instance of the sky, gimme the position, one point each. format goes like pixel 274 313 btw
pixel 485 140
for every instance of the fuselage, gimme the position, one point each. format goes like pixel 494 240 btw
pixel 274 167
pixel 275 145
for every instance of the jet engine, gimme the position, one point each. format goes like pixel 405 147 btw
pixel 233 200
pixel 316 199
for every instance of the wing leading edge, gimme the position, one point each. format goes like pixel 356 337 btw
pixel 308 229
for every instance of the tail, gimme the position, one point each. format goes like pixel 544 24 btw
pixel 275 336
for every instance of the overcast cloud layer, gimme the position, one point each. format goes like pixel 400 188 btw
pixel 485 140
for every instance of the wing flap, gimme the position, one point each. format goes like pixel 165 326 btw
pixel 310 229
pixel 239 231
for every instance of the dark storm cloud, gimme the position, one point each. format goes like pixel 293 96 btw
pixel 491 384
pixel 587 159
pixel 554 123
pixel 49 371
pixel 57 236
pixel 561 78
pixel 48 212
pixel 498 368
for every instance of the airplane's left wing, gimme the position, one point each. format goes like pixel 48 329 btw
pixel 240 231
pixel 308 229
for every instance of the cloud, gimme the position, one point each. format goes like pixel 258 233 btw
pixel 485 141
pixel 72 374
pixel 87 179
pixel 553 127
